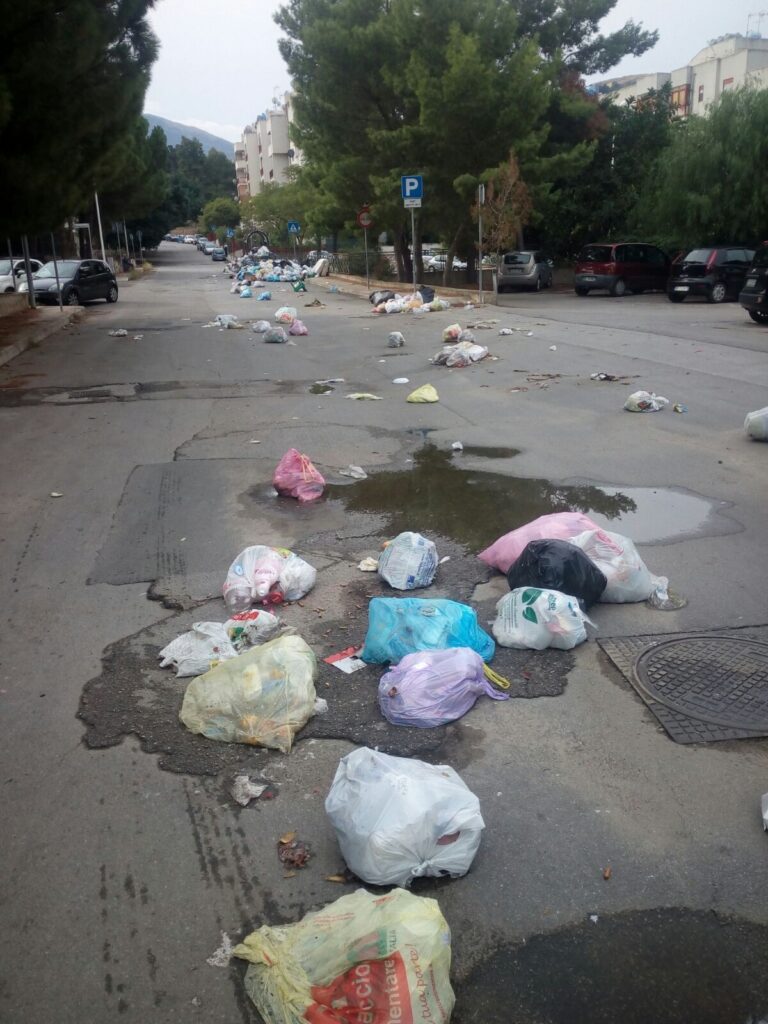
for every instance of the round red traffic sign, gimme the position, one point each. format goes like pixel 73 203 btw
pixel 364 218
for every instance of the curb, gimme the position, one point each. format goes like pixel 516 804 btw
pixel 33 334
pixel 354 286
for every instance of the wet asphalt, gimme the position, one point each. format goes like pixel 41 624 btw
pixel 124 856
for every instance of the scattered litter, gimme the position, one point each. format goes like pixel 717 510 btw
pixel 408 562
pixel 594 918
pixel 426 393
pixel 397 818
pixel 376 298
pixel 246 293
pixel 535 619
pixel 262 698
pixel 331 380
pixel 321 706
pixel 298 327
pixel 552 348
pixel 120 333
pixel 445 558
pixel 333 289
pixel 265 297
pixel 254 441
pixel 483 325
pixel 243 790
pixel 360 396
pixel 563 525
pixel 296 477
pixel 292 851
pixel 514 391
pixel 314 302
pixel 678 407
pixel 558 565
pixel 138 337
pixel 337 878
pixel 56 494
pixel 401 625
pixel 261 327
pixel 506 331
pixel 764 809
pixel 607 872
pixel 463 353
pixel 324 967
pixel 227 321
pixel 645 401
pixel 457 446
pixel 451 333
pixel 430 688
pixel 622 378
pixel 756 424
pixel 356 472
pixel 395 340
pixel 270 575
pixel 401 380
pixel 285 315
pixel 221 956
pixel 368 565
pixel 198 650
pixel 346 661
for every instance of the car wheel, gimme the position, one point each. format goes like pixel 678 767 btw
pixel 758 316
pixel 112 293
pixel 581 291
pixel 675 296
pixel 619 288
pixel 716 292
pixel 72 298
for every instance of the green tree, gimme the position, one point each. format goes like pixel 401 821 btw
pixel 218 175
pixel 710 185
pixel 220 214
pixel 72 83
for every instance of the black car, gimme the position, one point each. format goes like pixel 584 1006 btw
pixel 717 272
pixel 754 295
pixel 81 281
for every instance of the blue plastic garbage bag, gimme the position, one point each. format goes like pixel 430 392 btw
pixel 401 625
pixel 265 297
pixel 246 293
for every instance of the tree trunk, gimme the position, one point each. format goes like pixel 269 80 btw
pixel 450 257
pixel 402 255
pixel 418 255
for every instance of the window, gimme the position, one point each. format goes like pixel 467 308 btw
pixel 654 255
pixel 701 94
pixel 727 83
pixel 595 254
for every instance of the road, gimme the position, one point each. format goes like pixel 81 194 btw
pixel 124 856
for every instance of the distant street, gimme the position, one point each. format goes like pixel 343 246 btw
pixel 124 854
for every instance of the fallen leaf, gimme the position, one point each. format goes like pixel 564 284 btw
pixel 289 874
pixel 607 873
pixel 288 837
pixel 335 878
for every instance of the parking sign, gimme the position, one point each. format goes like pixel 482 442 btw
pixel 412 186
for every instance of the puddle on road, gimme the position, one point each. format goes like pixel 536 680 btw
pixel 474 507
pixel 663 966
pixel 321 389
pixel 488 453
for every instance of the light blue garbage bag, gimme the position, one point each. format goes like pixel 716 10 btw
pixel 246 293
pixel 265 297
pixel 401 625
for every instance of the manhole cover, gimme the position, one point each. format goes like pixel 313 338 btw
pixel 717 679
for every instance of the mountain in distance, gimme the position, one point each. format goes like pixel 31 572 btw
pixel 174 131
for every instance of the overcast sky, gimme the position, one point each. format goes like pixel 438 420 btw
pixel 219 66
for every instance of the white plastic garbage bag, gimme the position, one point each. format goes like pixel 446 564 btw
pixel 226 320
pixel 262 697
pixel 198 650
pixel 286 315
pixel 531 618
pixel 397 819
pixel 395 339
pixel 464 353
pixel 261 327
pixel 756 424
pixel 408 562
pixel 261 573
pixel 618 559
pixel 645 401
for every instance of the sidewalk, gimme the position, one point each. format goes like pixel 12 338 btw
pixel 20 331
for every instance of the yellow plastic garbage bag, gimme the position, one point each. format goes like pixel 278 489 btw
pixel 364 959
pixel 262 697
pixel 426 393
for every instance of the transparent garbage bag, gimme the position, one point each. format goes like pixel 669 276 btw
pixel 618 559
pixel 408 562
pixel 532 618
pixel 364 959
pixel 296 477
pixel 397 818
pixel 262 697
pixel 271 575
pixel 756 424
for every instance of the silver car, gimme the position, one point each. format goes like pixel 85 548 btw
pixel 524 268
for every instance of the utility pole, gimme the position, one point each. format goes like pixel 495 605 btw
pixel 98 220
pixel 480 204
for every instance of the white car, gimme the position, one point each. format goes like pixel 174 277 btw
pixel 12 273
pixel 189 239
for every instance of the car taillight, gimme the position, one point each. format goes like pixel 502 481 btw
pixel 712 259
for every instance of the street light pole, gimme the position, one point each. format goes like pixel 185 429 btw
pixel 480 202
pixel 98 220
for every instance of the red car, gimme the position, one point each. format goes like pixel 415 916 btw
pixel 619 267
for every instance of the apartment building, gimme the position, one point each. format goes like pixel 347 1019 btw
pixel 265 152
pixel 726 63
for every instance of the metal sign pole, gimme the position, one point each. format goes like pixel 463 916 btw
pixel 413 246
pixel 367 272
pixel 56 272
pixel 28 270
pixel 480 201
pixel 98 221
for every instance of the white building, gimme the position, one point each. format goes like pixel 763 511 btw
pixel 264 152
pixel 727 63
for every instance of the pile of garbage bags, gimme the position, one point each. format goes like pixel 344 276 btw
pixel 424 301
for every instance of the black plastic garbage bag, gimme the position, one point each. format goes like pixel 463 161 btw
pixel 558 565
pixel 427 293
pixel 382 295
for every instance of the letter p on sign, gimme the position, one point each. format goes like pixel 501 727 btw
pixel 412 186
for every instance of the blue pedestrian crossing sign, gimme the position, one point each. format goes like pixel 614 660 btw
pixel 412 186
pixel 230 232
pixel 294 228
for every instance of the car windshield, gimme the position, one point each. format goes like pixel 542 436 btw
pixel 517 257
pixel 5 266
pixel 595 254
pixel 698 256
pixel 66 268
pixel 219 252
pixel 761 257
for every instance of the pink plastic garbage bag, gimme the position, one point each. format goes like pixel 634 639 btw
pixel 296 477
pixel 430 688
pixel 555 526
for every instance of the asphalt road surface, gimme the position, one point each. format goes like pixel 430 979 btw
pixel 125 857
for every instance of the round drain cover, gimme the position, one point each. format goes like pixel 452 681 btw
pixel 719 679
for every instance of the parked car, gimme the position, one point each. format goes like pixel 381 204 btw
pixel 619 267
pixel 313 255
pixel 207 247
pixel 524 268
pixel 189 239
pixel 12 272
pixel 81 282
pixel 218 254
pixel 717 273
pixel 439 261
pixel 754 295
